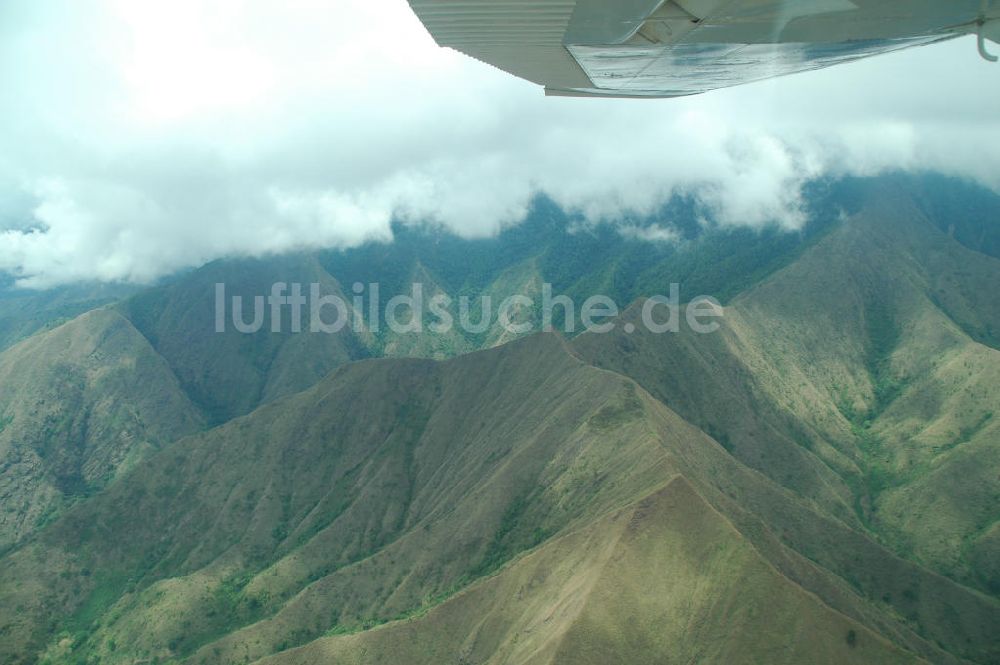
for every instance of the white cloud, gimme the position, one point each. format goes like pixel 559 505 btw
pixel 137 139
pixel 650 233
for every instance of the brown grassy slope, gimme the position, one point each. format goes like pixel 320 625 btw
pixel 80 404
pixel 666 579
pixel 393 484
pixel 308 485
pixel 923 414
pixel 854 368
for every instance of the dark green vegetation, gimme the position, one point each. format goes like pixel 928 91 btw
pixel 80 404
pixel 581 260
pixel 24 312
pixel 818 482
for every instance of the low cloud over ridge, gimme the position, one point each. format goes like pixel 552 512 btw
pixel 137 141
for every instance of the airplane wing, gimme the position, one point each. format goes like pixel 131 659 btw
pixel 672 48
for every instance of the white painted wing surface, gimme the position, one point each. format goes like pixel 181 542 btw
pixel 670 48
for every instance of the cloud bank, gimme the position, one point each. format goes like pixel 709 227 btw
pixel 137 139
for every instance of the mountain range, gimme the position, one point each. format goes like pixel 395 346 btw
pixel 817 481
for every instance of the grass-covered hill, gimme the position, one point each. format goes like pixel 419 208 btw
pixel 232 373
pixel 818 481
pixel 24 312
pixel 80 405
pixel 864 376
pixel 445 499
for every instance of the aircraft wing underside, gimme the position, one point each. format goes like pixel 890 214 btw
pixel 670 48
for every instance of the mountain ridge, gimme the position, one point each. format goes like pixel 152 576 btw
pixel 547 346
pixel 325 504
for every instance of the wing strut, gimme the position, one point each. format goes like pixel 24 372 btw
pixel 981 36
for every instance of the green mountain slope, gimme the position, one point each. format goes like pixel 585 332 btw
pixel 666 579
pixel 858 377
pixel 80 405
pixel 230 373
pixel 818 481
pixel 25 312
pixel 393 484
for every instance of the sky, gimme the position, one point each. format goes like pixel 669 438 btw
pixel 140 138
